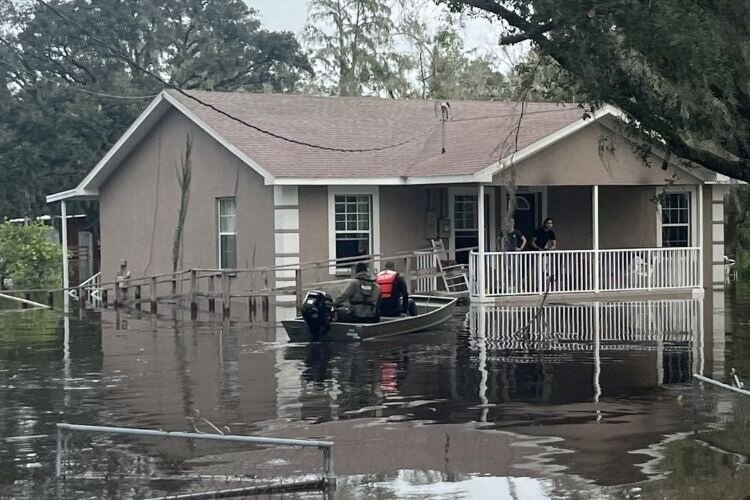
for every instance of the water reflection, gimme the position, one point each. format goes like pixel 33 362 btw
pixel 572 398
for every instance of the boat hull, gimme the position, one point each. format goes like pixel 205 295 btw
pixel 431 311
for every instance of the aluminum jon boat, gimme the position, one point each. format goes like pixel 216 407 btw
pixel 431 311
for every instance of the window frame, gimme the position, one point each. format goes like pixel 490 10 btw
pixel 220 233
pixel 374 232
pixel 693 220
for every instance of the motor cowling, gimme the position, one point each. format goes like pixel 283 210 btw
pixel 317 311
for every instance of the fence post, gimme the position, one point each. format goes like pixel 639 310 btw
pixel 407 272
pixel 225 293
pixel 540 271
pixel 328 467
pixel 153 296
pixel 650 268
pixel 298 288
pixel 265 308
pixel 251 308
pixel 51 298
pixel 211 290
pixel 117 293
pixel 59 458
pixel 138 294
pixel 193 293
pixel 81 297
pixel 105 297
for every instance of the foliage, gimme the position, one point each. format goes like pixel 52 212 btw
pixel 352 40
pixel 57 116
pixel 29 256
pixel 444 68
pixel 678 68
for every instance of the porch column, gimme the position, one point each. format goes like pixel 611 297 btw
pixel 700 236
pixel 64 231
pixel 481 223
pixel 595 236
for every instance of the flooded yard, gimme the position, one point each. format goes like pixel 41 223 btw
pixel 578 401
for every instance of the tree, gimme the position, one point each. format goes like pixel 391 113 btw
pixel 678 68
pixel 29 256
pixel 352 40
pixel 65 98
pixel 444 68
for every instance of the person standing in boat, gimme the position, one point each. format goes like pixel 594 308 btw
pixel 394 294
pixel 359 302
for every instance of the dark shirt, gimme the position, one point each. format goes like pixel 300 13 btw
pixel 543 237
pixel 513 240
pixel 398 302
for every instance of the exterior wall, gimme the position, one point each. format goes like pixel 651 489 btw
pixel 571 211
pixel 139 204
pixel 402 219
pixel 627 217
pixel 577 161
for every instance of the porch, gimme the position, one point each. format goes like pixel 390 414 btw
pixel 583 271
pixel 665 234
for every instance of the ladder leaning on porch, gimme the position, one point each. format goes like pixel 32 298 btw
pixel 454 276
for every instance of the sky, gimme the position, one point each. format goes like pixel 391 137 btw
pixel 479 34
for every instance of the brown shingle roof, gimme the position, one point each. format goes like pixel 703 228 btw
pixel 479 134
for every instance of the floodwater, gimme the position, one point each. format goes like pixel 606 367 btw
pixel 580 401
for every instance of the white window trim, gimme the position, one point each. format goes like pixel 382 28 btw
pixel 473 190
pixel 373 191
pixel 219 234
pixel 694 222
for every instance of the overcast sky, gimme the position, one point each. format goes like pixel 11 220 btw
pixel 291 15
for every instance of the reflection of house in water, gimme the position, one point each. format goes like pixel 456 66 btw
pixel 599 377
pixel 657 341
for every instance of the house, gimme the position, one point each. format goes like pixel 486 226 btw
pixel 363 176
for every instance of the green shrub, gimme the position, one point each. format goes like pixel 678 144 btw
pixel 30 256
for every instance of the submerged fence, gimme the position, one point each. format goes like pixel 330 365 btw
pixel 156 462
pixel 721 415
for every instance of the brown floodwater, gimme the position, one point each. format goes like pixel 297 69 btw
pixel 582 401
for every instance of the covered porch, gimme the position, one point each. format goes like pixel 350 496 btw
pixel 609 239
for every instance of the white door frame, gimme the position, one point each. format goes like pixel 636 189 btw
pixel 471 190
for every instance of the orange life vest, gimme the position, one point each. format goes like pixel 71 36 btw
pixel 386 279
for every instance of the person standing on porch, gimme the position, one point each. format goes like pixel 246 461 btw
pixel 512 240
pixel 544 238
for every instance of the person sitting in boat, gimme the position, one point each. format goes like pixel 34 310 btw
pixel 394 294
pixel 359 302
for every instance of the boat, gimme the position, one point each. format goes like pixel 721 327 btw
pixel 431 311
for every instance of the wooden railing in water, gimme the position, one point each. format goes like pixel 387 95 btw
pixel 288 282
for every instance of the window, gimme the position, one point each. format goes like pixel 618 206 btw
pixel 465 212
pixel 227 233
pixel 353 225
pixel 675 220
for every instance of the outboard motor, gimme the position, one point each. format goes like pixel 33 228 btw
pixel 317 311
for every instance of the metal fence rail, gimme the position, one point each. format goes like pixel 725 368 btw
pixel 326 447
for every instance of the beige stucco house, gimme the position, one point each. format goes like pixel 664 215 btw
pixel 376 176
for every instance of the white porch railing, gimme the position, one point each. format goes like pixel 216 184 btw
pixel 575 271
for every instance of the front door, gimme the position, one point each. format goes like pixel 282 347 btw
pixel 527 214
